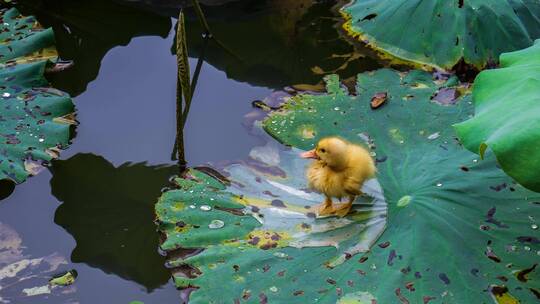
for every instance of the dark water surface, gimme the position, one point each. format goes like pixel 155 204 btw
pixel 95 205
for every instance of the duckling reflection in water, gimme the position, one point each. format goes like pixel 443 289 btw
pixel 339 170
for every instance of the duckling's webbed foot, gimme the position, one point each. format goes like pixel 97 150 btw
pixel 344 209
pixel 326 208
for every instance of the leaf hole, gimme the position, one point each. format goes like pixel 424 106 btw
pixel 369 17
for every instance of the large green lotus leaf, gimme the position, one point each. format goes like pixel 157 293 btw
pixel 109 212
pixel 506 117
pixel 440 33
pixel 33 126
pixel 456 226
pixel 257 227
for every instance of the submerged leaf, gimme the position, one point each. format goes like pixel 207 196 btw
pixel 506 118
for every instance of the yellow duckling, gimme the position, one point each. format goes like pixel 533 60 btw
pixel 339 170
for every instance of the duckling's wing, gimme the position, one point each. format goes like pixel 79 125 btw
pixel 352 186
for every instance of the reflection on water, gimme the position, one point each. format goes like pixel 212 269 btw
pixel 109 211
pixel 280 43
pixel 86 30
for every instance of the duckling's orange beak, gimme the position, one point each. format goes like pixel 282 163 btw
pixel 310 154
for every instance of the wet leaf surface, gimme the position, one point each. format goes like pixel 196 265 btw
pixel 30 132
pixel 438 252
pixel 260 247
pixel 506 117
pixel 440 33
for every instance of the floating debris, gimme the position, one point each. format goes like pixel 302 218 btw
pixel 378 100
pixel 64 279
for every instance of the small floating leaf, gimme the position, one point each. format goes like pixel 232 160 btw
pixel 64 279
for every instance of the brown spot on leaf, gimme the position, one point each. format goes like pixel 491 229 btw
pixel 522 275
pixel 246 294
pixel 490 218
pixel 535 292
pixel 278 203
pixel 528 239
pixel 254 241
pixel 498 187
pixel 491 255
pixel 384 245
pixel 263 299
pixel 391 256
pixel 401 297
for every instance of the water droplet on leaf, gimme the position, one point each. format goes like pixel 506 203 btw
pixel 216 224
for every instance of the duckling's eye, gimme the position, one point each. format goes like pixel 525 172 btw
pixel 323 150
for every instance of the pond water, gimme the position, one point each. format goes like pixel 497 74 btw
pixel 94 206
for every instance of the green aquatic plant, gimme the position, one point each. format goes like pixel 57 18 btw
pixel 506 116
pixel 35 118
pixel 440 33
pixel 457 230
